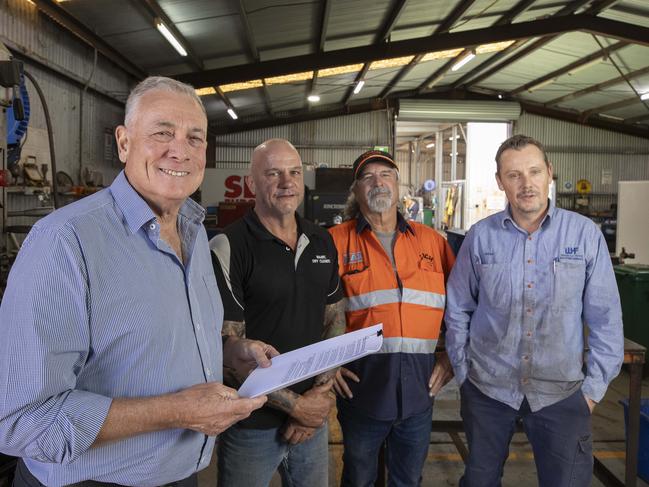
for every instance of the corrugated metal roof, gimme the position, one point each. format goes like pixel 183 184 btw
pixel 216 32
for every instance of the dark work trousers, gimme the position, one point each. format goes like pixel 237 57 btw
pixel 24 478
pixel 560 436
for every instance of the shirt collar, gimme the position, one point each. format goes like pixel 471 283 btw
pixel 137 212
pixel 507 214
pixel 261 232
pixel 402 225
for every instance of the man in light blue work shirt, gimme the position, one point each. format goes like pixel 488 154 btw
pixel 527 283
pixel 110 348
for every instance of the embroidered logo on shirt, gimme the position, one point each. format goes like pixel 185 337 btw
pixel 321 259
pixel 427 257
pixel 353 258
pixel 571 253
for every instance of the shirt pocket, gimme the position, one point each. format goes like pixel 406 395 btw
pixel 569 278
pixel 495 285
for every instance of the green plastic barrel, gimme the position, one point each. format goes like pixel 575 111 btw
pixel 428 216
pixel 633 284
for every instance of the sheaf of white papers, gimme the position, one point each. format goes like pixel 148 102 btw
pixel 303 363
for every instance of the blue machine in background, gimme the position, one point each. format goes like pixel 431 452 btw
pixel 17 123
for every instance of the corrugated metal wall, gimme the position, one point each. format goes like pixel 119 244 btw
pixel 579 152
pixel 335 141
pixel 24 29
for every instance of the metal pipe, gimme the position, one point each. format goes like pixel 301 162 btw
pixel 82 96
pixel 50 136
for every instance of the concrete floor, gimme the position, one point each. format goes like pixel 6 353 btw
pixel 444 465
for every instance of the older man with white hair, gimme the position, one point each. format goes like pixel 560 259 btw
pixel 392 272
pixel 109 344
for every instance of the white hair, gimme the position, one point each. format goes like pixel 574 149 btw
pixel 153 83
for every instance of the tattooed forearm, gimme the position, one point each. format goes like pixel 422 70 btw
pixel 284 400
pixel 334 325
pixel 231 378
pixel 234 328
pixel 334 320
pixel 325 377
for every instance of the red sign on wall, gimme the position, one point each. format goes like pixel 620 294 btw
pixel 237 189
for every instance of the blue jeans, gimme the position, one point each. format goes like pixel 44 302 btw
pixel 250 457
pixel 560 436
pixel 406 440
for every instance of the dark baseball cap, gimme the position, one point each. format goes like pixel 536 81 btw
pixel 373 156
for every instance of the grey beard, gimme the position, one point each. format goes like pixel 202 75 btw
pixel 380 201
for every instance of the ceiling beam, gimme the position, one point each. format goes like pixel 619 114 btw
pixel 154 10
pixel 596 122
pixel 390 21
pixel 325 111
pixel 514 12
pixel 638 118
pixel 382 36
pixel 325 11
pixel 598 87
pixel 593 25
pixel 324 25
pixel 254 53
pixel 622 31
pixel 530 48
pixel 408 47
pixel 600 54
pixel 496 58
pixel 437 76
pixel 612 106
pixel 350 91
pixel 247 31
pixel 460 8
pixel 72 24
pixel 601 5
pixel 462 81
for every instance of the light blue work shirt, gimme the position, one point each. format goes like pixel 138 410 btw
pixel 97 307
pixel 518 304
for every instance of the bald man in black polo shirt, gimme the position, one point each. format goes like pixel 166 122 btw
pixel 278 276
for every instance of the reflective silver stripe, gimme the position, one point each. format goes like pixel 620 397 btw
pixel 375 298
pixel 424 298
pixel 408 345
pixel 389 296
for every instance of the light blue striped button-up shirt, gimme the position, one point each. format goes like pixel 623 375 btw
pixel 98 306
pixel 517 304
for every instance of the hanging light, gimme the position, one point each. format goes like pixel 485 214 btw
pixel 164 30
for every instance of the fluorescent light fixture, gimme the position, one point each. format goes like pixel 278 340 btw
pixel 359 87
pixel 170 37
pixel 232 113
pixel 313 98
pixel 456 137
pixel 430 146
pixel 611 117
pixel 540 85
pixel 645 96
pixel 463 60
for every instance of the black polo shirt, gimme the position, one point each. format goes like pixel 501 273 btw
pixel 281 294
